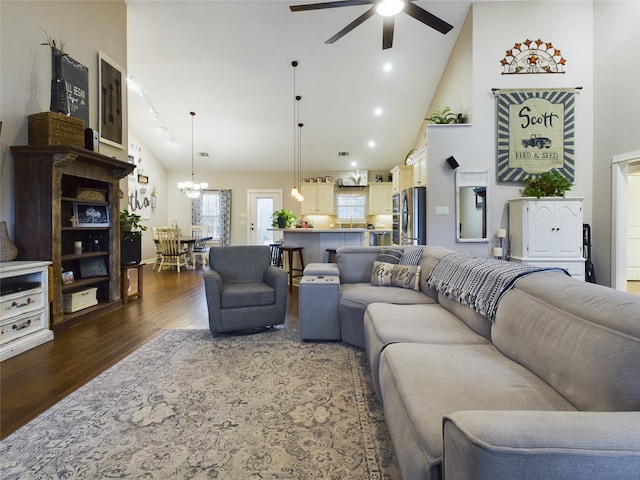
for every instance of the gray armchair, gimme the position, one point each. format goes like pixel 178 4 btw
pixel 243 290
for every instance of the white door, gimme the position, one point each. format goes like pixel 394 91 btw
pixel 261 205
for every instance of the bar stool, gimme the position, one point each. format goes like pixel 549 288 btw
pixel 124 282
pixel 290 256
pixel 331 257
pixel 276 254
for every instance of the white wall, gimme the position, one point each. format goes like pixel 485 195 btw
pixel 617 112
pixel 497 26
pixel 25 73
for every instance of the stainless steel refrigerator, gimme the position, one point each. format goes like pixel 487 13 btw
pixel 414 216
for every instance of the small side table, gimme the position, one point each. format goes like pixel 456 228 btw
pixel 319 296
pixel 124 282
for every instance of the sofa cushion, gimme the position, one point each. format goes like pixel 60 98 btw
pixel 430 257
pixel 476 322
pixel 385 324
pixel 421 383
pixel 411 256
pixel 484 445
pixel 389 255
pixel 355 263
pixel 238 295
pixel 364 294
pixel 390 275
pixel 581 338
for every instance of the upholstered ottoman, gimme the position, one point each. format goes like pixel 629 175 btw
pixel 318 299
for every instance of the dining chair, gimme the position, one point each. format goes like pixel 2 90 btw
pixel 200 250
pixel 156 242
pixel 173 253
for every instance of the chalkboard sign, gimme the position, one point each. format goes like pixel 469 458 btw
pixel 76 76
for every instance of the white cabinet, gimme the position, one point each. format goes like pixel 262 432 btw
pixel 24 307
pixel 402 178
pixel 380 198
pixel 420 174
pixel 319 199
pixel 547 232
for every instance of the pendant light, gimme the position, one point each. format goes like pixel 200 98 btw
pixel 295 192
pixel 192 189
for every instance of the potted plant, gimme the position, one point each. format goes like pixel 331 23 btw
pixel 130 238
pixel 443 116
pixel 284 219
pixel 547 184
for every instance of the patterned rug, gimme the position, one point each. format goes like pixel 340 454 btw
pixel 188 406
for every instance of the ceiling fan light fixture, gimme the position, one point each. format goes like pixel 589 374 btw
pixel 389 8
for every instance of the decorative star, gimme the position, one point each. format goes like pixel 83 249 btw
pixel 533 59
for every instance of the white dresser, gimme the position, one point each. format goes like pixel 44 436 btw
pixel 547 232
pixel 24 307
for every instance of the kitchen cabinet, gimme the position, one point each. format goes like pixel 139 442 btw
pixel 71 219
pixel 319 199
pixel 24 307
pixel 402 178
pixel 380 198
pixel 420 173
pixel 547 232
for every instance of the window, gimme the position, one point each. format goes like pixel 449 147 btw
pixel 352 206
pixel 206 211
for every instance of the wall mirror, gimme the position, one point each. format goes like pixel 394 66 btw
pixel 472 206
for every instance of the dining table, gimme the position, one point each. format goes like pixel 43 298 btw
pixel 190 242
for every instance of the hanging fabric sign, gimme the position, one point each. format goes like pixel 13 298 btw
pixel 535 133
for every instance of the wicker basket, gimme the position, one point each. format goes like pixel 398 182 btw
pixel 49 128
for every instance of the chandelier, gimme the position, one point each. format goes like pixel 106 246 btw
pixel 192 189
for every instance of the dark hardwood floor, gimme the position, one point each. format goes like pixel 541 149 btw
pixel 35 380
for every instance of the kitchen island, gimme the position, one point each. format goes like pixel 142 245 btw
pixel 316 241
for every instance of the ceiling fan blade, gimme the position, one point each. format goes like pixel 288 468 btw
pixel 366 15
pixel 427 18
pixel 387 32
pixel 336 4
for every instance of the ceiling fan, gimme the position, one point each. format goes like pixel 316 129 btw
pixel 387 9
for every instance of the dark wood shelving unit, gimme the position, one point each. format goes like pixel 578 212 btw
pixel 48 178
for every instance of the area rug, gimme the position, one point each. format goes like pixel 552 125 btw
pixel 190 406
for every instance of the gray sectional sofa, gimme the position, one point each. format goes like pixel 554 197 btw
pixel 546 387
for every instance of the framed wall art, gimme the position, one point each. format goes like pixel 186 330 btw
pixel 92 267
pixel 536 130
pixel 112 91
pixel 91 215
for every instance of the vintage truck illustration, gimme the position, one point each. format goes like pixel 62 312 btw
pixel 536 140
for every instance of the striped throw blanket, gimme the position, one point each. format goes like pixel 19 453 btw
pixel 478 282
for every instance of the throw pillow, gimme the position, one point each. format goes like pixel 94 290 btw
pixel 389 255
pixel 411 256
pixel 392 275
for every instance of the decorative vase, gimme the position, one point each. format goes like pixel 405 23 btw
pixel 8 250
pixel 59 98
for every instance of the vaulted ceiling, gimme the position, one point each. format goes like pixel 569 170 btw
pixel 230 62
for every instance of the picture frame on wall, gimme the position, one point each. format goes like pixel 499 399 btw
pixel 112 90
pixel 91 214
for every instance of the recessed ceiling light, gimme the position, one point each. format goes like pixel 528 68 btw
pixel 377 111
pixel 387 67
pixel 354 163
pixel 372 143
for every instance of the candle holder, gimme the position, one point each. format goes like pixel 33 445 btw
pixel 497 252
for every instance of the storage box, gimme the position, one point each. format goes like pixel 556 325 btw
pixel 78 300
pixel 49 128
